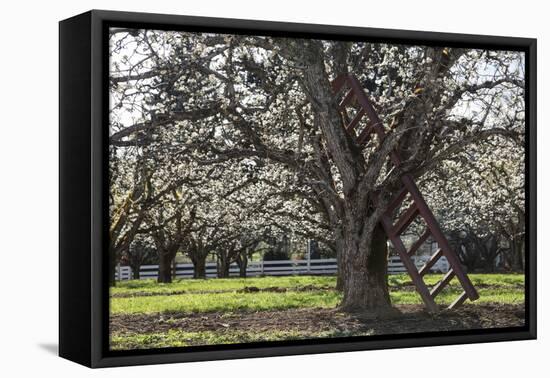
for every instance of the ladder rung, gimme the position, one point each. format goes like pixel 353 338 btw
pixel 353 124
pixel 405 220
pixel 432 260
pixel 419 242
pixel 397 200
pixel 347 99
pixel 458 301
pixel 380 131
pixel 365 134
pixel 441 284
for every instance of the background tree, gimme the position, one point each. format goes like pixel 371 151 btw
pixel 169 226
pixel 481 194
pixel 140 252
pixel 129 199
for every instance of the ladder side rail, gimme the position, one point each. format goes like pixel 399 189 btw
pixel 339 82
pixel 365 103
pixel 421 240
pixel 458 301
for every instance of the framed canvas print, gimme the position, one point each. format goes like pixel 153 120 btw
pixel 234 188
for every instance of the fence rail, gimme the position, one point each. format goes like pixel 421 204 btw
pixel 275 268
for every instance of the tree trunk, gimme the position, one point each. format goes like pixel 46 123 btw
pixel 112 267
pixel 517 261
pixel 339 277
pixel 242 262
pixel 365 285
pixel 199 267
pixel 165 268
pixel 223 267
pixel 135 271
pixel 340 273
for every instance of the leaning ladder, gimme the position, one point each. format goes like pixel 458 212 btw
pixel 355 96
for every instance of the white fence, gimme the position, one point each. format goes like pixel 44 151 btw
pixel 276 268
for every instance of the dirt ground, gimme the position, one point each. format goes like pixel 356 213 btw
pixel 412 318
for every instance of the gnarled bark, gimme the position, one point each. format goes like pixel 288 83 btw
pixel 165 268
pixel 227 254
pixel 242 262
pixel 364 284
pixel 199 266
pixel 198 253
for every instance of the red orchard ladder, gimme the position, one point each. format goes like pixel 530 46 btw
pixel 356 97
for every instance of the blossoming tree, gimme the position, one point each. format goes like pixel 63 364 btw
pixel 219 101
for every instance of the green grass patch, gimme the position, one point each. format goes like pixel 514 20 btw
pixel 224 302
pixel 197 298
pixel 448 295
pixel 497 280
pixel 135 287
pixel 500 280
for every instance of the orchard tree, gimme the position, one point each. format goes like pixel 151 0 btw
pixel 481 196
pixel 170 221
pixel 140 252
pixel 130 197
pixel 228 224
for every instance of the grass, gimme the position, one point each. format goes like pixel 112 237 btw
pixel 500 280
pixel 449 295
pixel 178 338
pixel 137 287
pixel 221 295
pixel 227 302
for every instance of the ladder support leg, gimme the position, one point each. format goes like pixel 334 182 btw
pixel 458 301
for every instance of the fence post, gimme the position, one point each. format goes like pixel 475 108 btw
pixel 308 246
pixel 119 271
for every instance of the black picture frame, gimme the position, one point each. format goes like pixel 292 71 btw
pixel 83 295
